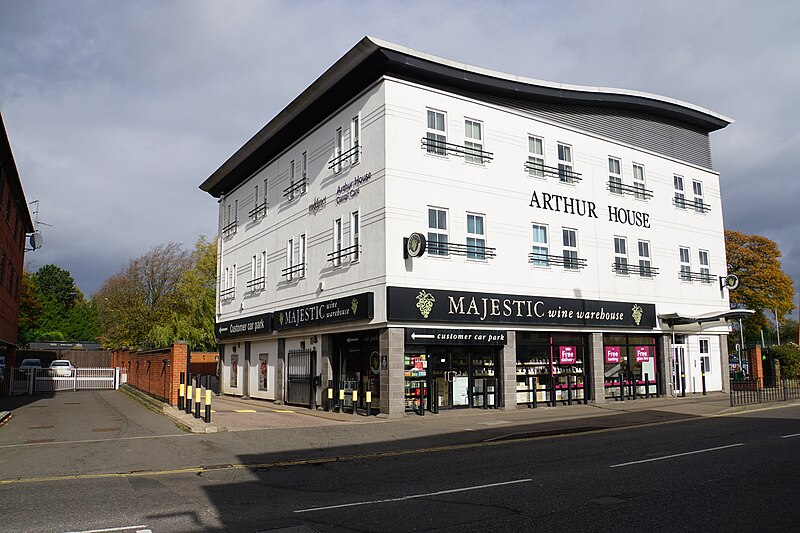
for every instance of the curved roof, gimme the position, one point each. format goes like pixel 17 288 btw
pixel 372 58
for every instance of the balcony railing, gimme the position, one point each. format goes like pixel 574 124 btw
pixel 344 156
pixel 555 172
pixel 298 270
pixel 353 251
pixel 472 251
pixel 643 271
pixel 258 211
pixel 698 205
pixel 572 263
pixel 637 191
pixel 704 277
pixel 230 229
pixel 257 284
pixel 291 190
pixel 446 148
pixel 227 294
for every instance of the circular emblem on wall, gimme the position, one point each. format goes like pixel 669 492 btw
pixel 732 282
pixel 415 245
pixel 375 362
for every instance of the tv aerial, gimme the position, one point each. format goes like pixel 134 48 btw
pixel 35 239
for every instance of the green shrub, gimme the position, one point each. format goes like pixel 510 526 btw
pixel 789 357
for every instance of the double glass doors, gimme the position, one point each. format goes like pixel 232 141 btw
pixel 462 377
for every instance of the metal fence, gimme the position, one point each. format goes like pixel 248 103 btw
pixel 43 380
pixel 762 390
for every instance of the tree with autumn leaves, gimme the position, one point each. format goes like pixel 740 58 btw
pixel 763 285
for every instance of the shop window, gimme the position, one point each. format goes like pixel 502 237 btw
pixel 476 237
pixel 621 255
pixel 473 141
pixel 437 232
pixel 565 173
pixel 630 366
pixel 540 249
pixel 550 368
pixel 263 371
pixel 234 376
pixel 436 136
pixel 535 156
pixel 614 176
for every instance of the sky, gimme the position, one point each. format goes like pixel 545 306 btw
pixel 118 110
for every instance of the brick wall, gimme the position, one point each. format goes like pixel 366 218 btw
pixel 155 372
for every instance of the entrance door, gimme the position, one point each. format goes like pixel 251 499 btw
pixel 450 378
pixel 679 364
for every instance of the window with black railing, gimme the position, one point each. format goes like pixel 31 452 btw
pixel 637 191
pixel 294 271
pixel 703 276
pixel 227 294
pixel 564 174
pixel 353 154
pixel 295 189
pixel 230 229
pixel 568 260
pixel 471 153
pixel 257 284
pixel 353 252
pixel 472 251
pixel 258 211
pixel 698 205
pixel 641 270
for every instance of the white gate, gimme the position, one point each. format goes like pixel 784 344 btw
pixel 56 379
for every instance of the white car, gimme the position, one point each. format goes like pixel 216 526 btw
pixel 62 368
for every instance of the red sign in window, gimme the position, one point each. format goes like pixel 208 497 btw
pixel 566 355
pixel 612 354
pixel 642 354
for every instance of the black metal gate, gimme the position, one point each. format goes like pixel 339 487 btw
pixel 300 377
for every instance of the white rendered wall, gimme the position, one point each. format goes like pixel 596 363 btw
pixel 256 349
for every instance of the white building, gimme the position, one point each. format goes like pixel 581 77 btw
pixel 410 222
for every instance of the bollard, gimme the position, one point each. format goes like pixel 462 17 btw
pixel 329 406
pixel 703 375
pixel 181 392
pixel 208 406
pixel 355 400
pixel 189 398
pixel 647 386
pixel 422 399
pixel 633 392
pixel 435 397
pixel 485 393
pixel 621 387
pixel 197 393
pixel 683 384
pixel 368 400
pixel 535 391
pixel 569 390
pixel 341 400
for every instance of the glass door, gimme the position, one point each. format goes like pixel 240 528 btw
pixel 459 373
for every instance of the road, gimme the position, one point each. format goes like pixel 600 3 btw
pixel 735 472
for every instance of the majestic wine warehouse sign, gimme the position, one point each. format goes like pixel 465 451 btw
pixel 357 307
pixel 407 304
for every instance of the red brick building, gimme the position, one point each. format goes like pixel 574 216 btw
pixel 15 223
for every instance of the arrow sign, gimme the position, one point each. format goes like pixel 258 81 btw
pixel 221 329
pixel 415 336
pixel 351 340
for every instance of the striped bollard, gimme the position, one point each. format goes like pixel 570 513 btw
pixel 208 406
pixel 197 402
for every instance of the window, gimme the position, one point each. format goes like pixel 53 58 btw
pixel 680 197
pixel 476 237
pixel 264 266
pixel 437 231
pixel 570 239
pixel 263 371
pixel 705 273
pixel 436 134
pixel 253 269
pixel 614 176
pixel 540 249
pixel 337 151
pixel 355 236
pixel 291 180
pixel 697 189
pixel 565 163
pixel 302 252
pixel 620 255
pixel 645 267
pixel 304 172
pixel 337 242
pixel 705 357
pixel 473 141
pixel 255 198
pixel 638 182
pixel 289 259
pixel 355 136
pixel 535 156
pixel 686 264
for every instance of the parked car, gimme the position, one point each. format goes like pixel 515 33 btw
pixel 62 368
pixel 30 363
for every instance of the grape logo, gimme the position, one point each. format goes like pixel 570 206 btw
pixel 425 301
pixel 354 305
pixel 637 313
pixel 280 318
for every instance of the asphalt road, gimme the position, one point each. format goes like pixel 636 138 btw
pixel 726 473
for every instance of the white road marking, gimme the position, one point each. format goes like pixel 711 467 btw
pixel 137 528
pixel 790 436
pixel 413 496
pixel 677 455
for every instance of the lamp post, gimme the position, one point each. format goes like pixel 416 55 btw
pixel 777 326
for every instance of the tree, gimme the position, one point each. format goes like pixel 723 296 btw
pixel 789 357
pixel 763 286
pixel 30 309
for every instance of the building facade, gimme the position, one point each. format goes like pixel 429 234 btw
pixel 414 225
pixel 15 223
